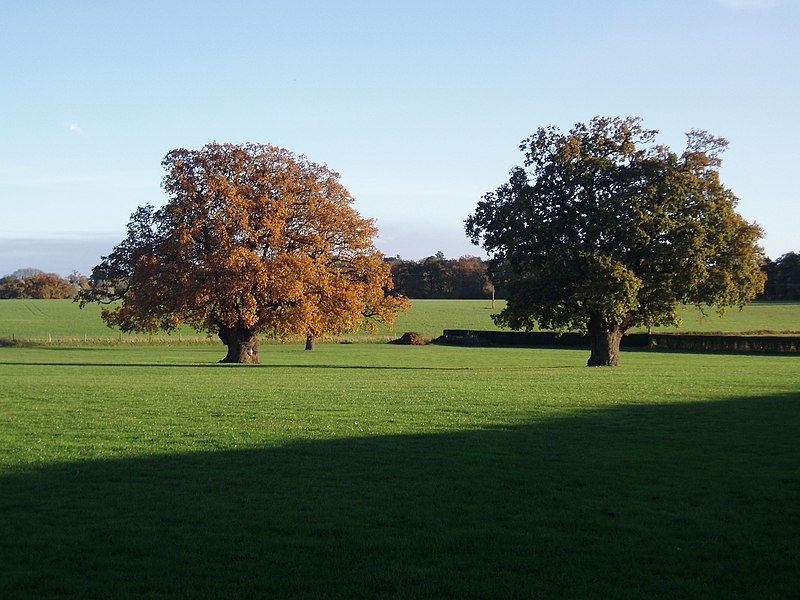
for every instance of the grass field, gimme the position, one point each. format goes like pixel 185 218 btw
pixel 62 319
pixel 371 470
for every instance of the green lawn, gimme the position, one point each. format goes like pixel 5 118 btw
pixel 755 317
pixel 62 319
pixel 371 470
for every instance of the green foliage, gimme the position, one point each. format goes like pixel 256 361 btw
pixel 436 277
pixel 11 288
pixel 783 278
pixel 600 223
pixel 416 472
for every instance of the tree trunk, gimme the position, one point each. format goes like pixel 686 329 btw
pixel 311 343
pixel 242 345
pixel 604 338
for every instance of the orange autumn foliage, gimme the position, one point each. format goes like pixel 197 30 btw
pixel 253 241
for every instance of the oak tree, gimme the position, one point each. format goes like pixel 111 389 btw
pixel 252 241
pixel 783 277
pixel 602 230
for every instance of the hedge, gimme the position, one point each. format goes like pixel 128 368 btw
pixel 670 341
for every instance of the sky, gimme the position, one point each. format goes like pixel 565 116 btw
pixel 419 105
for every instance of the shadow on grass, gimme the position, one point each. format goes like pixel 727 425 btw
pixel 693 500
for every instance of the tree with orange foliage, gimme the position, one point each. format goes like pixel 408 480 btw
pixel 46 285
pixel 35 284
pixel 253 241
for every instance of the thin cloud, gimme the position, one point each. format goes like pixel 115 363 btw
pixel 75 128
pixel 748 4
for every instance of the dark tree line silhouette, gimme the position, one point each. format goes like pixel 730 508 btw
pixel 783 278
pixel 468 278
pixel 439 277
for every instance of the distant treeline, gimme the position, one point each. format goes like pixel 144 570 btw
pixel 439 277
pixel 783 278
pixel 468 277
pixel 36 284
pixel 432 277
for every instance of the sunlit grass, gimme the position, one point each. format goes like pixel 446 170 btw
pixel 45 320
pixel 371 470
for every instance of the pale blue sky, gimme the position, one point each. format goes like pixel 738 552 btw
pixel 419 105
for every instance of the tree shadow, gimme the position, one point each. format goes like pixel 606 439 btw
pixel 681 500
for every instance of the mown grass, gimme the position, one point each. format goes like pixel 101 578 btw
pixel 58 320
pixel 372 470
pixel 55 320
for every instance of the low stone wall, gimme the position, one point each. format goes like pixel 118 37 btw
pixel 778 344
pixel 668 341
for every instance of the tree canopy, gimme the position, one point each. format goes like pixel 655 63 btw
pixel 783 278
pixel 253 241
pixel 602 230
pixel 437 277
pixel 36 284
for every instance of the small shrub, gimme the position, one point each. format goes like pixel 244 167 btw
pixel 410 338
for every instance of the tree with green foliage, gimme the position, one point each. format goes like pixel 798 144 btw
pixel 11 287
pixel 437 277
pixel 602 230
pixel 783 278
